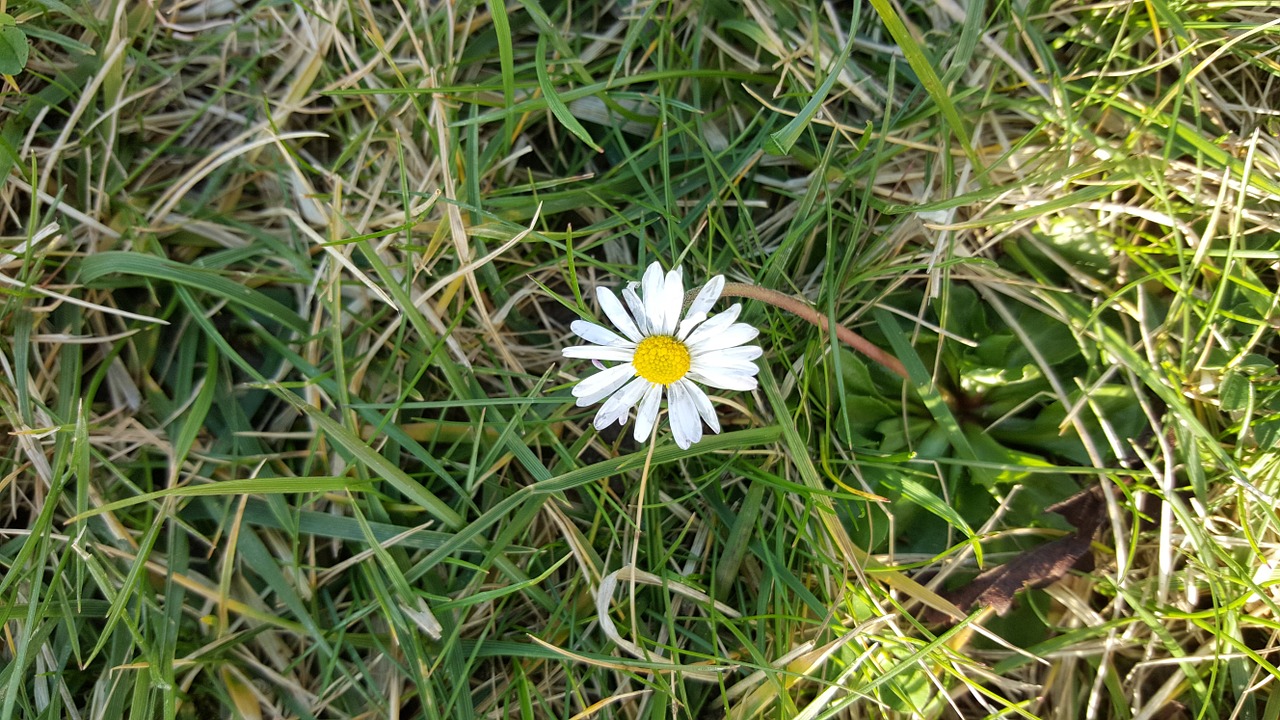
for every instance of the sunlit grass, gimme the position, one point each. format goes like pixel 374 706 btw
pixel 290 434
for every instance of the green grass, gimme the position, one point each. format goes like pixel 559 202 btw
pixel 289 433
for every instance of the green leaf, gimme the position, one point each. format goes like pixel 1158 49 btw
pixel 964 312
pixel 1234 392
pixel 930 394
pixel 870 411
pixel 857 376
pixel 14 47
pixel 1267 433
pixel 1253 364
pixel 1015 466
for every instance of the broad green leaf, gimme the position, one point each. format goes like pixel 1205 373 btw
pixel 14 47
pixel 1235 392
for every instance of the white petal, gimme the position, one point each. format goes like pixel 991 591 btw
pixel 618 407
pixel 744 371
pixel 647 415
pixel 592 332
pixel 703 404
pixel 744 354
pixel 688 324
pixel 591 390
pixel 718 322
pixel 651 285
pixel 672 301
pixel 732 336
pixel 697 312
pixel 717 378
pixel 724 365
pixel 617 314
pixel 707 296
pixel 685 425
pixel 599 352
pixel 637 308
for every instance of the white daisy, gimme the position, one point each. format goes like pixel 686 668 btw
pixel 661 351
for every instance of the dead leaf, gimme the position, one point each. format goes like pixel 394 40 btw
pixel 1037 567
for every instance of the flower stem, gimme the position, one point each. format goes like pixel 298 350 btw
pixel 804 312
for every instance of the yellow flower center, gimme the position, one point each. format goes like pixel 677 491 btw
pixel 661 359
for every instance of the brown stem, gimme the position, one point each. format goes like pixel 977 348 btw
pixel 803 311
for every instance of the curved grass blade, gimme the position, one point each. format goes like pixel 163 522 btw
pixel 101 265
pixel 928 77
pixel 555 103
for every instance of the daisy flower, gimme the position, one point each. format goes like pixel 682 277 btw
pixel 660 353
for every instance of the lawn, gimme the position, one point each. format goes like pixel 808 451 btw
pixel 290 431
